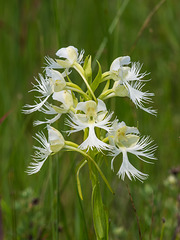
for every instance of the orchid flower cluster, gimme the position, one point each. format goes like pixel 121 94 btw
pixel 86 111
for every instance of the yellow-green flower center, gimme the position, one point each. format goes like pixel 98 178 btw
pixel 91 111
pixel 122 139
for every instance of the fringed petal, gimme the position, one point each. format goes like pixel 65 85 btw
pixel 128 169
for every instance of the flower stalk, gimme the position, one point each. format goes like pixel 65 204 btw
pixel 103 134
pixel 80 70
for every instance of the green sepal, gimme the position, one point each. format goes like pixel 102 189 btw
pixel 68 79
pixel 106 86
pixel 100 214
pixel 81 99
pixel 105 90
pixel 102 175
pixel 78 168
pixel 59 109
pixel 81 71
pixel 63 63
pixel 97 79
pixel 88 69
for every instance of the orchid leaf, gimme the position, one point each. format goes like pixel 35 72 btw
pixel 87 69
pixel 78 168
pixel 97 79
pixel 100 214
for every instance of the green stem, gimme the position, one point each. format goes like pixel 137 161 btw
pixel 52 200
pixel 82 163
pixel 105 94
pixel 105 76
pixel 74 147
pixel 100 214
pixel 162 230
pixel 58 195
pixel 80 70
pixel 79 91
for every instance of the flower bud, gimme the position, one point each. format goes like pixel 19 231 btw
pixel 56 139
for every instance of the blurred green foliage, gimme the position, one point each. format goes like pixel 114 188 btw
pixel 46 206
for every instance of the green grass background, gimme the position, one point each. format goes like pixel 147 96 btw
pixel 40 206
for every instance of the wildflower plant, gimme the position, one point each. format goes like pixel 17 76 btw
pixel 85 111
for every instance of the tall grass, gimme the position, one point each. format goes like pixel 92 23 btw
pixel 46 205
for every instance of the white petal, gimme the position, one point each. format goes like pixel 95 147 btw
pixel 35 167
pixel 121 124
pixel 54 135
pixel 92 141
pixel 144 148
pixel 43 86
pixel 81 56
pixel 140 98
pixel 101 106
pixel 125 60
pixel 132 130
pixel 33 108
pixel 40 155
pixel 66 72
pixel 70 53
pixel 54 74
pixel 88 107
pixel 47 121
pixel 81 106
pixel 128 169
pixel 47 109
pixel 119 62
pixel 75 123
pixel 65 97
pixel 62 53
pixel 134 73
pixel 115 65
pixel 52 64
pixel 105 123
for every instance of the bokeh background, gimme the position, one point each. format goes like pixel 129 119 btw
pixel 148 31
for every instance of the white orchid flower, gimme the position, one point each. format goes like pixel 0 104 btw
pixel 53 82
pixel 65 97
pixel 129 82
pixel 66 100
pixel 43 87
pixel 68 56
pixel 125 139
pixel 94 115
pixel 49 110
pixel 56 79
pixel 48 147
